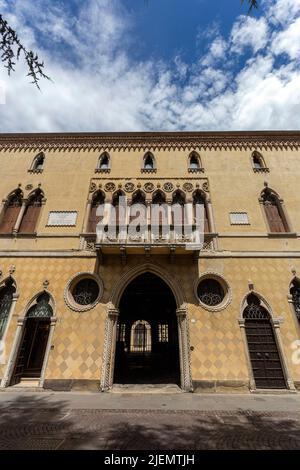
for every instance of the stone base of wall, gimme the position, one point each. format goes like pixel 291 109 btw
pixel 297 386
pixel 220 386
pixel 61 385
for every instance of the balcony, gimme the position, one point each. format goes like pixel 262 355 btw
pixel 175 242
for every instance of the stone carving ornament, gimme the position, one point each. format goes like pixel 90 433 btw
pixel 149 187
pixel 110 186
pixel 168 186
pixel 93 187
pixel 205 186
pixel 129 187
pixel 188 187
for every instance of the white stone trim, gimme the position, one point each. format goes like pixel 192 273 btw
pixel 108 362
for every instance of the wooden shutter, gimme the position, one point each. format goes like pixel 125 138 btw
pixel 9 219
pixel 30 218
pixel 275 221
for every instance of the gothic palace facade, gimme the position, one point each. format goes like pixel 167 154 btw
pixel 78 312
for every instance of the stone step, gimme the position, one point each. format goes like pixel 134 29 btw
pixel 146 388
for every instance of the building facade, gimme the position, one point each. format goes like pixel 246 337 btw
pixel 80 311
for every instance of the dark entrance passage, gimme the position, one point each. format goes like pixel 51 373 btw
pixel 264 354
pixel 147 350
pixel 31 354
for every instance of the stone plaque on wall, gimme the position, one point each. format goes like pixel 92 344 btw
pixel 239 218
pixel 62 219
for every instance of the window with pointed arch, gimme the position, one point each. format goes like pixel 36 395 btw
pixel 258 162
pixel 159 215
pixel 10 212
pixel 140 338
pixel 32 212
pixel 98 199
pixel 149 165
pixel 7 292
pixel 137 199
pixel 119 215
pixel 103 165
pixel 195 165
pixel 199 198
pixel 295 293
pixel 38 163
pixel 274 212
pixel 178 203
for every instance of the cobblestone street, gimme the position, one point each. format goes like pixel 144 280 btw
pixel 151 422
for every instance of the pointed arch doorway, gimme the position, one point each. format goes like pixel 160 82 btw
pixel 264 354
pixel 34 340
pixel 147 345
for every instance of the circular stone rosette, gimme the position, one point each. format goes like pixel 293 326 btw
pixel 149 187
pixel 188 187
pixel 129 187
pixel 168 187
pixel 71 285
pixel 110 187
pixel 210 302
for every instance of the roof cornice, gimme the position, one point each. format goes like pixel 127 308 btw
pixel 152 141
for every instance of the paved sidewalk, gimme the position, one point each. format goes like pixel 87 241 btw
pixel 132 421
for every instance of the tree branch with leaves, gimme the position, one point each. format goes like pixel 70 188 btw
pixel 252 4
pixel 11 50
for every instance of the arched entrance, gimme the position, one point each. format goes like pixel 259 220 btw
pixel 31 353
pixel 263 349
pixel 147 346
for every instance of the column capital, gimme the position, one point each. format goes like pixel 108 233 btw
pixel 21 321
pixel 181 312
pixel 112 311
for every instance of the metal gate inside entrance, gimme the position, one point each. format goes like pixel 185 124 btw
pixel 147 350
pixel 263 350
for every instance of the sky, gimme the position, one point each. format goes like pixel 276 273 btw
pixel 154 65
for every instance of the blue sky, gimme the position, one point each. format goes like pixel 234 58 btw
pixel 132 65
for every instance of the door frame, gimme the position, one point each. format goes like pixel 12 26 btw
pixel 21 320
pixel 110 338
pixel 275 323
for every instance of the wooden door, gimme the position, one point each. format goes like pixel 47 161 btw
pixel 264 355
pixel 32 349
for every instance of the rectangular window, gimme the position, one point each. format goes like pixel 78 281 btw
pixel 121 332
pixel 163 333
pixel 239 218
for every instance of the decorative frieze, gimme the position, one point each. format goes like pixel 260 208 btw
pixel 270 140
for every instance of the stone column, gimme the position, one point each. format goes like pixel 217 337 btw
pixel 53 321
pixel 14 351
pixel 288 378
pixel 20 217
pixel 248 359
pixel 184 350
pixel 106 381
pixel 87 214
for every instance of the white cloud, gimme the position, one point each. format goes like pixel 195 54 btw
pixel 97 86
pixel 283 11
pixel 248 31
pixel 288 40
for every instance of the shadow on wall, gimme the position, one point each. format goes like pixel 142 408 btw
pixel 46 422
